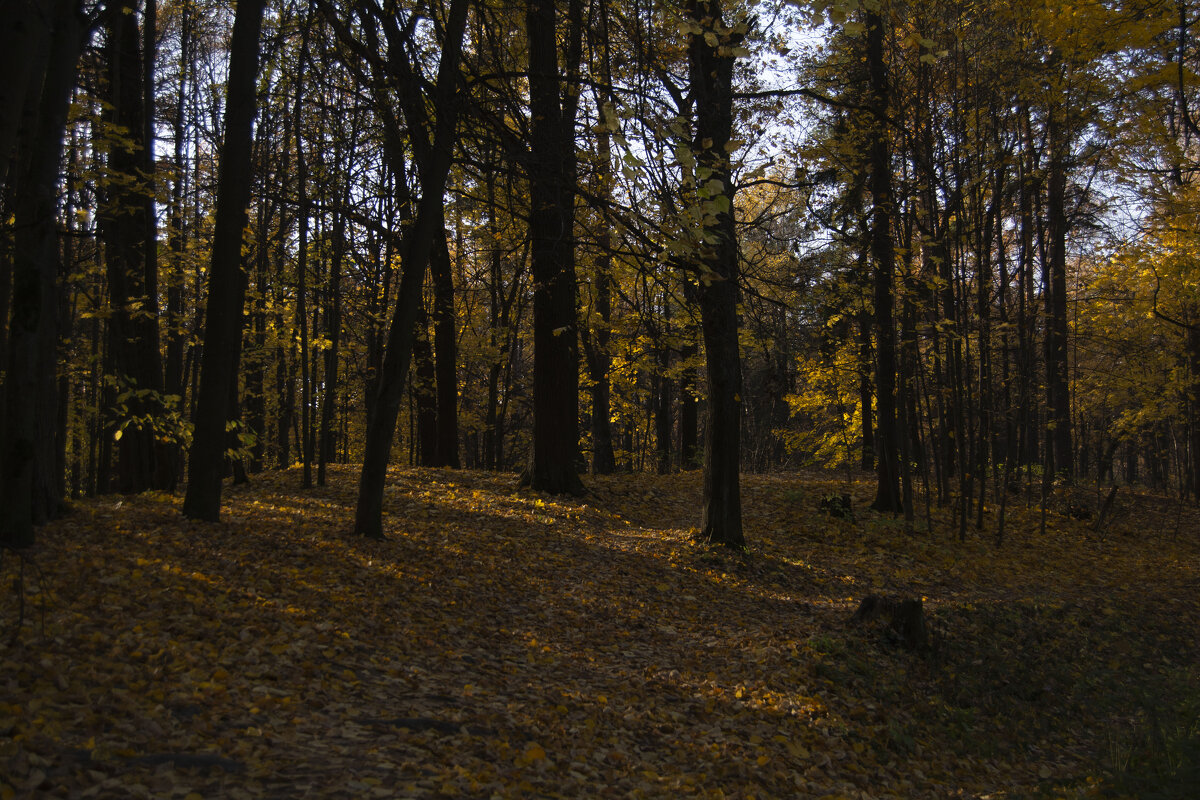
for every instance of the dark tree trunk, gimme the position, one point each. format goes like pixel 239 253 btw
pixel 445 351
pixel 303 212
pixel 551 221
pixel 127 221
pixel 599 358
pixel 28 492
pixel 424 391
pixel 24 35
pixel 1057 391
pixel 711 75
pixel 256 378
pixel 226 288
pixel 866 394
pixel 173 375
pixel 599 365
pixel 333 331
pixel 662 408
pixel 416 249
pixel 689 419
pixel 887 452
pixel 1026 314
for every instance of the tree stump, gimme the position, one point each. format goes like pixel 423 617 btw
pixel 903 619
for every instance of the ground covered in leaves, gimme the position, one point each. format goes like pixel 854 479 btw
pixel 500 643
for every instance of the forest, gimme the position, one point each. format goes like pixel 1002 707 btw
pixel 947 243
pixel 653 315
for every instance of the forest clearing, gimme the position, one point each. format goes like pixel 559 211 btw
pixel 505 643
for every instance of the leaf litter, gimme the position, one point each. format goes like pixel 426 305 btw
pixel 503 643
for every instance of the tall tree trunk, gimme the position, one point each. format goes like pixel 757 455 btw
pixel 689 420
pixel 127 220
pixel 1057 387
pixel 887 451
pixel 173 375
pixel 662 407
pixel 28 493
pixel 710 63
pixel 424 391
pixel 866 393
pixel 551 222
pixel 24 36
pixel 445 352
pixel 416 249
pixel 333 330
pixel 226 289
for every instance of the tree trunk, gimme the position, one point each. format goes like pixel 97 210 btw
pixel 711 72
pixel 1057 391
pixel 226 289
pixel 127 221
pixel 416 249
pixel 445 352
pixel 173 375
pixel 689 421
pixel 887 452
pixel 866 394
pixel 551 220
pixel 27 497
pixel 424 391
pixel 23 39
pixel 333 329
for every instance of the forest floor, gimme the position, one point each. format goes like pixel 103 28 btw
pixel 501 643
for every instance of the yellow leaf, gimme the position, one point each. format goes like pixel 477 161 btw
pixel 535 752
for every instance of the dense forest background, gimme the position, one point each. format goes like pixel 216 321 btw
pixel 953 243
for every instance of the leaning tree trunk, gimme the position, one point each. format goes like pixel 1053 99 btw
pixel 416 249
pixel 711 70
pixel 226 288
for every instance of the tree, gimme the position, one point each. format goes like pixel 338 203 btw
pixel 28 488
pixel 226 277
pixel 710 63
pixel 552 255
pixel 432 140
pixel 135 406
pixel 887 455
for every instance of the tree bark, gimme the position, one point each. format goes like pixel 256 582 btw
pixel 711 73
pixel 887 451
pixel 1057 387
pixel 226 288
pixel 551 221
pixel 445 351
pixel 424 390
pixel 28 491
pixel 127 220
pixel 416 249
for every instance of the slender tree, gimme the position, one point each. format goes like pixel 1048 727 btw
pixel 887 451
pixel 433 140
pixel 226 277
